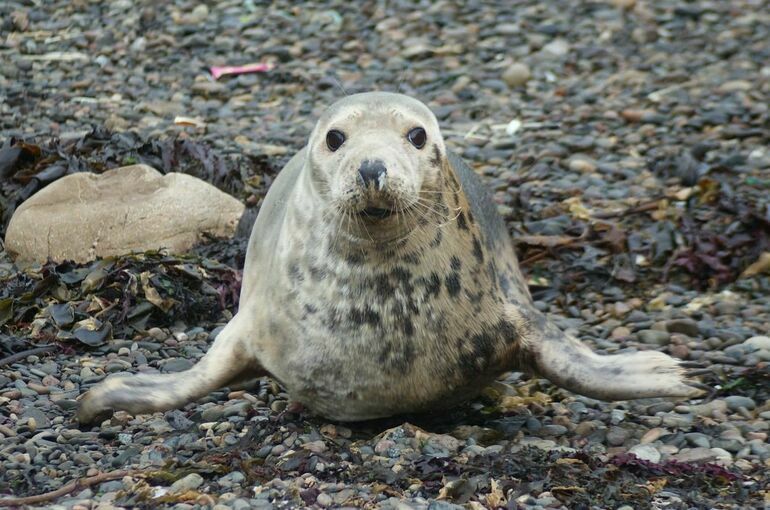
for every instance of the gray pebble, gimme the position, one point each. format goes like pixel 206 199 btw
pixel 616 436
pixel 213 413
pixel 617 416
pixel 324 500
pixel 189 482
pixel 443 505
pixel 684 326
pixel 735 402
pixel 176 365
pixel 240 504
pixel 654 337
pixel 41 419
pixel 698 439
pixel 233 478
pixel 695 455
pixel 554 430
pixel 677 420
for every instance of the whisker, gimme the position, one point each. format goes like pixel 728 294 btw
pixel 427 215
pixel 401 80
pixel 428 208
pixel 440 192
pixel 339 84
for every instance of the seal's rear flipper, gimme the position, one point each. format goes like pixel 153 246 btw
pixel 222 365
pixel 568 363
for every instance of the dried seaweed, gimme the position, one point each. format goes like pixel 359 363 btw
pixel 115 296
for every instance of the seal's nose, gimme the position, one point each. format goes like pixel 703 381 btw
pixel 373 172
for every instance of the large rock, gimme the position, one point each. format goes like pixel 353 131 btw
pixel 130 209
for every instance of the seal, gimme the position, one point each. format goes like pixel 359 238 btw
pixel 379 280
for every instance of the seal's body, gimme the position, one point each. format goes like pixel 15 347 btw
pixel 365 329
pixel 379 280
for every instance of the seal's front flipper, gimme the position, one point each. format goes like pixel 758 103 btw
pixel 225 363
pixel 568 363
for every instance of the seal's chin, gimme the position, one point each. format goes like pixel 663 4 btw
pixel 376 213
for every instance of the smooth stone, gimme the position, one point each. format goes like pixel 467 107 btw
pixel 324 500
pixel 241 504
pixel 616 436
pixel 660 407
pixel 543 444
pixel 652 435
pixel 233 477
pixel 735 402
pixel 654 337
pixel 443 505
pixel 135 208
pixel 758 343
pixel 684 326
pixel 41 420
pixel 176 365
pixel 646 452
pixel 188 483
pixel 617 416
pixel 680 421
pixel 727 308
pixel 213 413
pixel 695 455
pixel 698 439
pixel 581 163
pixel 736 351
pixel 516 75
pixel 557 47
pixel 554 430
pixel 722 456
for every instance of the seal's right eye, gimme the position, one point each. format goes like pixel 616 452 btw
pixel 335 139
pixel 417 137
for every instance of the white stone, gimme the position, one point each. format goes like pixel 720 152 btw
pixel 131 209
pixel 557 47
pixel 646 452
pixel 698 454
pixel 758 343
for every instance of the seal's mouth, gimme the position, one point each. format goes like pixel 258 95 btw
pixel 376 213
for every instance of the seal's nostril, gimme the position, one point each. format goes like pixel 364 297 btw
pixel 373 172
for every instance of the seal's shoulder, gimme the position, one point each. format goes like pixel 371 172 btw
pixel 480 199
pixel 277 196
pixel 269 221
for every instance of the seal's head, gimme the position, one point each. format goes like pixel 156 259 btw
pixel 374 156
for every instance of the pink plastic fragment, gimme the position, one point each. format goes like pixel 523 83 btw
pixel 217 71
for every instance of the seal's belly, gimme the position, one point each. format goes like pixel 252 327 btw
pixel 400 345
pixel 358 331
pixel 383 378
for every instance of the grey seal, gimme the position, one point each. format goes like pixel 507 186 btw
pixel 380 280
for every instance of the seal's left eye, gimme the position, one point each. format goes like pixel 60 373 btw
pixel 417 137
pixel 335 139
